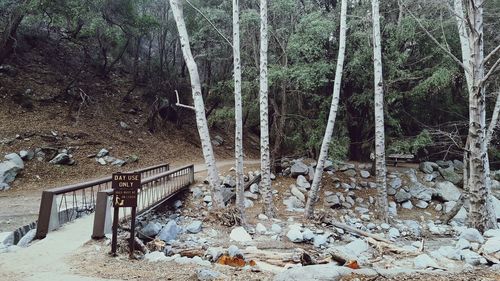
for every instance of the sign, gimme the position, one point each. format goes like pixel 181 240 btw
pixel 125 186
pixel 125 189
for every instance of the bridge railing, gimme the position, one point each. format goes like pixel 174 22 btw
pixel 154 191
pixel 62 204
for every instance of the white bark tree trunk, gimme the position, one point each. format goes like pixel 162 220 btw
pixel 318 174
pixel 464 41
pixel 494 121
pixel 481 215
pixel 238 115
pixel 380 170
pixel 201 121
pixel 265 169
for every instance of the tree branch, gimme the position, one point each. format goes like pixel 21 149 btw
pixel 435 40
pixel 179 104
pixel 491 54
pixel 210 22
pixel 490 72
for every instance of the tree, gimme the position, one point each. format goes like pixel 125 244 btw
pixel 380 167
pixel 199 107
pixel 265 166
pixel 318 174
pixel 238 138
pixel 9 33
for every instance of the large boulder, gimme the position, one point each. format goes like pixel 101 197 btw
pixel 169 232
pixel 402 196
pixel 423 261
pixel 150 230
pixel 16 159
pixel 295 235
pixel 302 182
pixel 472 235
pixel 420 191
pixel 450 175
pixel 239 234
pixel 297 193
pixel 194 227
pixel 9 171
pixel 447 191
pixel 62 159
pixel 428 167
pixel 299 168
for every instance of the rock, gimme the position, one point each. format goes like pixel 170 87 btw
pixel 248 203
pixel 101 161
pixel 472 235
pixel 4 186
pixel 430 177
pixel 217 140
pixel 458 165
pixel 302 182
pixel 27 238
pixel 234 251
pixel 402 196
pixel 299 168
pixel 492 245
pixel 450 175
pixel 496 206
pixel 364 174
pixel 321 272
pixel 214 253
pixel 391 191
pixel 239 234
pixel 393 233
pixel 471 257
pixel 262 217
pixel 407 205
pixel 350 173
pixel 414 227
pixel 328 166
pixel 293 203
pixel 204 274
pixel 8 172
pixel 124 125
pixel 251 195
pixel 428 167
pixel 194 227
pixel 197 192
pixel 276 228
pixel 295 235
pixel 393 208
pixel 385 226
pixel 354 249
pixel 320 240
pixel 169 232
pixel 423 261
pixel 395 183
pixel 462 244
pixel 438 208
pixel 103 152
pixel 26 154
pixel 254 188
pixel 260 228
pixel 447 191
pixel 448 252
pixel 118 163
pixel 13 157
pixel 207 199
pixel 422 204
pixel 296 192
pixel 155 257
pixel 229 182
pixel 150 231
pixel 307 234
pixel 492 233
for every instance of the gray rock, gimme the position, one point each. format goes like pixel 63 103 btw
pixel 354 249
pixel 276 228
pixel 296 192
pixel 471 257
pixel 260 228
pixel 302 182
pixel 293 203
pixel 458 165
pixel 239 234
pixel 13 157
pixel 234 251
pixel 229 182
pixel 194 227
pixel 428 167
pixel 402 196
pixel 214 253
pixel 350 173
pixel 150 230
pixel 155 257
pixel 492 245
pixel 262 217
pixel 204 274
pixel 26 154
pixel 101 161
pixel 4 186
pixel 364 174
pixel 395 183
pixel 394 233
pixel 169 232
pixel 393 208
pixel 472 235
pixel 414 227
pixel 450 175
pixel 423 261
pixel 462 244
pixel 307 234
pixel 299 168
pixel 407 205
pixel 295 235
pixel 217 140
pixel 248 203
pixel 124 125
pixel 421 204
pixel 207 199
pixel 320 240
pixel 450 252
pixel 8 171
pixel 197 192
pixel 62 159
pixel 118 163
pixel 385 226
pixel 27 238
pixel 438 207
pixel 254 188
pixel 251 195
pixel 328 166
pixel 420 191
pixel 332 201
pixel 391 191
pixel 492 233
pixel 430 177
pixel 103 152
pixel 447 191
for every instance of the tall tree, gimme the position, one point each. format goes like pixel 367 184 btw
pixel 265 165
pixel 9 33
pixel 380 166
pixel 238 115
pixel 481 215
pixel 316 184
pixel 199 107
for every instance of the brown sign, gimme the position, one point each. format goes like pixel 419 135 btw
pixel 125 189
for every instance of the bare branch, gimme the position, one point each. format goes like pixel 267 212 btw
pixel 490 72
pixel 435 40
pixel 179 104
pixel 210 22
pixel 491 54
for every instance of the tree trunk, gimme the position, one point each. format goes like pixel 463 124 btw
pixel 316 184
pixel 493 122
pixel 265 166
pixel 481 215
pixel 9 33
pixel 379 116
pixel 201 121
pixel 238 113
pixel 464 41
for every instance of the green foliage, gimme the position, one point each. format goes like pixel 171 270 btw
pixel 411 145
pixel 339 148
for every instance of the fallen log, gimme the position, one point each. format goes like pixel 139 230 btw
pixel 255 179
pixel 446 218
pixel 391 247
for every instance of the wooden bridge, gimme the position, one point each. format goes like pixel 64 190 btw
pixel 63 204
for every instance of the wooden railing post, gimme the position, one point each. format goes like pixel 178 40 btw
pixel 48 217
pixel 101 215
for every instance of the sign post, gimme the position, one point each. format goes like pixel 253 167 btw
pixel 125 186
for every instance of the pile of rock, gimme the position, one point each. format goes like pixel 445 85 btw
pixel 102 157
pixel 9 169
pixel 53 155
